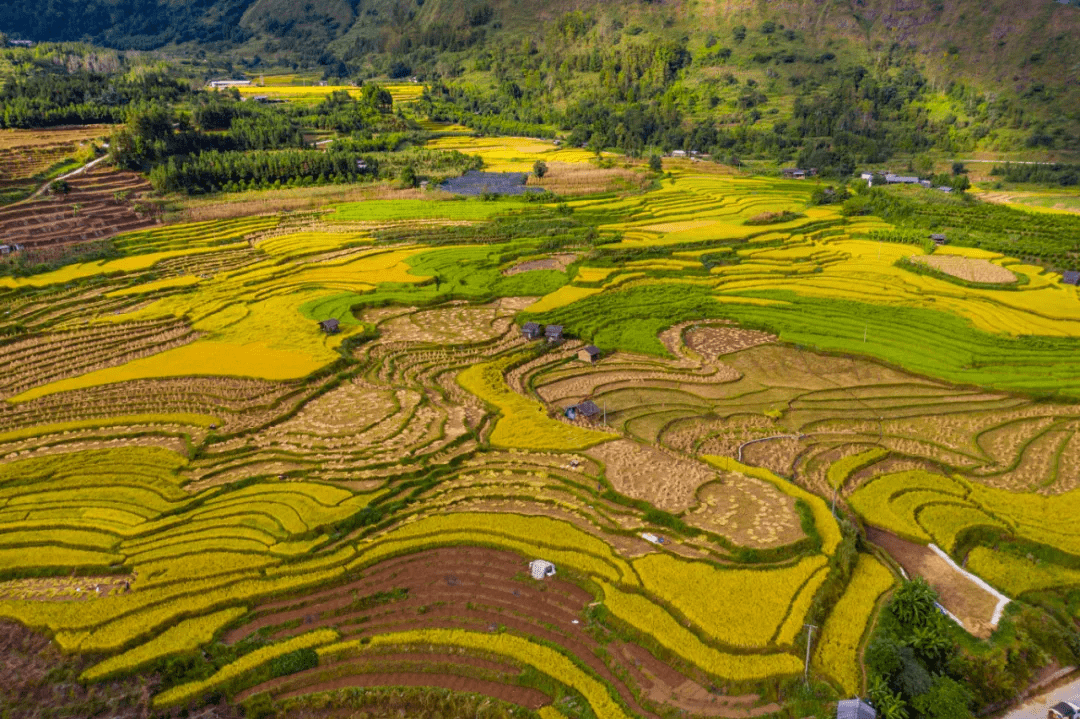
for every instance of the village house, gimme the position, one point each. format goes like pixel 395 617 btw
pixel 553 333
pixel 541 569
pixel 901 179
pixel 678 153
pixel 939 239
pixel 793 173
pixel 586 410
pixel 330 327
pixel 590 353
pixel 854 709
pixel 1071 277
pixel 532 331
pixel 215 84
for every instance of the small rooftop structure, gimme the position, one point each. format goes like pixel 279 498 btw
pixel 939 239
pixel 901 179
pixel 330 326
pixel 361 166
pixel 532 331
pixel 926 183
pixel 21 43
pixel 586 410
pixel 793 173
pixel 541 568
pixel 678 153
pixel 5 249
pixel 590 353
pixel 943 188
pixel 1071 277
pixel 553 333
pixel 854 709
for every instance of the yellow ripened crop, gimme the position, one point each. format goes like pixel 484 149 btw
pixel 837 650
pixel 523 423
pixel 823 517
pixel 256 359
pixel 946 521
pixel 565 295
pixel 550 712
pixel 75 538
pixel 839 471
pixel 739 607
pixel 186 636
pixel 52 557
pixel 105 267
pixel 542 658
pixel 874 501
pixel 793 624
pixel 229 672
pixel 208 559
pixel 653 620
pixel 168 283
pixel 593 274
pixel 121 632
pixel 1015 575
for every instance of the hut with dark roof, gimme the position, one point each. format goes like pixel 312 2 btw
pixel 330 326
pixel 586 410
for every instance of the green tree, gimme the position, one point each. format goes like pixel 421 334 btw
pixel 408 176
pixel 914 603
pixel 958 168
pixel 540 169
pixel 923 165
pixel 739 33
pixel 655 163
pixel 946 699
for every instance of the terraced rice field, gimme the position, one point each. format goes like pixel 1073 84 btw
pixel 194 474
pixel 90 210
pixel 28 158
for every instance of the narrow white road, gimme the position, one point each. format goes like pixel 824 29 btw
pixel 1036 707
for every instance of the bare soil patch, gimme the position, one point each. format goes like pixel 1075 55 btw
pixel 970 269
pixel 89 211
pixel 969 602
pixel 558 262
pixel 657 476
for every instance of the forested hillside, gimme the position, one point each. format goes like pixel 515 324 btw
pixel 831 85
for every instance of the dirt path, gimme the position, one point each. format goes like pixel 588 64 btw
pixel 967 601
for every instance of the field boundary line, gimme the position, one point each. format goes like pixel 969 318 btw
pixel 1003 601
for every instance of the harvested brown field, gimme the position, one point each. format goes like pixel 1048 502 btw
pixel 652 474
pixel 578 178
pixel 12 139
pixel 558 262
pixel 969 602
pixel 261 202
pixel 448 325
pixel 970 269
pixel 712 341
pixel 749 511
